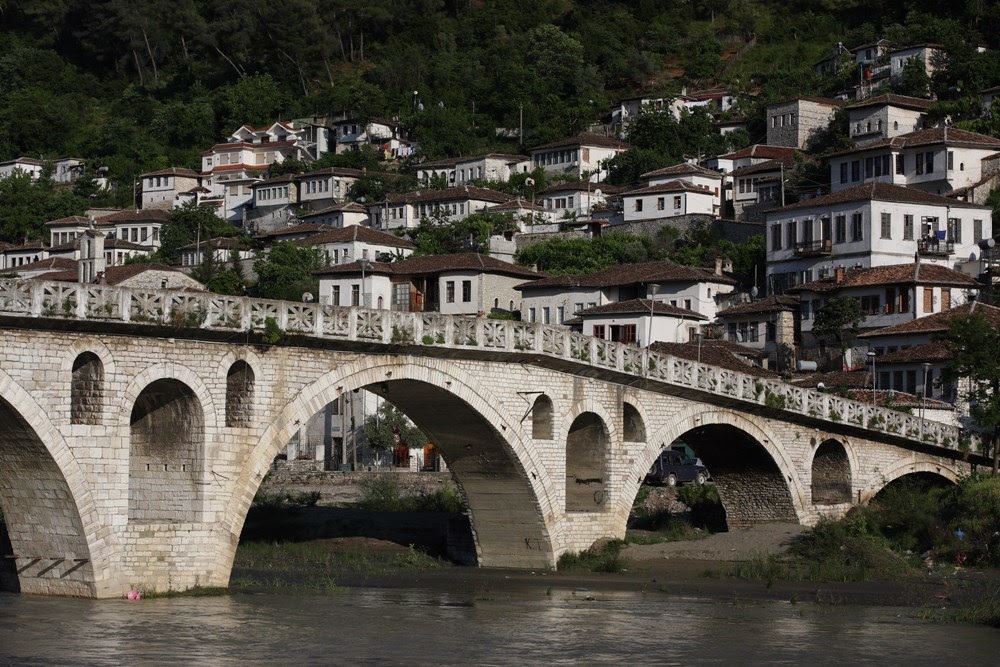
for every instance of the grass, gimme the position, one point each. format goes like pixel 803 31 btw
pixel 606 558
pixel 385 493
pixel 985 610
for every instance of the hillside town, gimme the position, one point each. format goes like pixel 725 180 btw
pixel 901 226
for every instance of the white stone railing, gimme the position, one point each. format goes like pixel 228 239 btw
pixel 217 312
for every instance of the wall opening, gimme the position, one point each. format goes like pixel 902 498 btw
pixel 633 428
pixel 831 474
pixel 239 394
pixel 87 389
pixel 541 418
pixel 587 445
pixel 167 438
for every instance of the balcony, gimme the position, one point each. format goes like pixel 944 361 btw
pixel 814 248
pixel 935 247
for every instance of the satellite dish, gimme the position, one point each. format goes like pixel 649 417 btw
pixel 529 181
pixel 307 297
pixel 597 192
pixel 754 292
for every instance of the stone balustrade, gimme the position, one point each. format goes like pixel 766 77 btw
pixel 219 312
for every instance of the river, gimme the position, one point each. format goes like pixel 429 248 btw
pixel 421 627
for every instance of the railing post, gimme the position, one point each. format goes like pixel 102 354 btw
pixel 418 327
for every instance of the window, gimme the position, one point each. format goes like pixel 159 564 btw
pixel 546 317
pixel 466 291
pixel 531 315
pixel 954 230
pixel 401 296
pixel 977 231
pixel 599 331
pixel 928 300
pixel 776 236
pixel 887 225
pixel 677 203
pixel 638 205
pixel 449 291
pixel 928 226
pixel 870 304
pixel 560 314
pixel 805 309
pixel 869 167
pixel 770 332
pixel 355 295
pixel 929 159
pixel 900 164
pixel 687 304
pixel 843 172
pixel 890 300
pixel 856 170
pixel 907 227
pixel 857 230
pixel 790 234
pixel 920 164
pixel 945 298
pixel 841 228
pixel 824 225
pixel 951 160
pixel 660 205
pixel 335 296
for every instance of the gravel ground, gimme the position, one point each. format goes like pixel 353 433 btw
pixel 762 539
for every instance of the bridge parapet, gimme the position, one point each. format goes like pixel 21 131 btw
pixel 41 299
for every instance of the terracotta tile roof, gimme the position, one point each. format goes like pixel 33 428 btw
pixel 29 245
pixel 891 99
pixel 354 233
pixel 952 136
pixel 71 221
pixel 630 274
pixel 332 171
pixel 137 215
pixel 770 165
pixel 897 399
pixel 715 355
pixel 173 171
pixel 640 307
pixel 670 186
pixel 763 151
pixel 117 274
pixel 349 207
pixel 277 180
pixel 893 274
pixel 354 268
pixel 826 101
pixel 938 322
pixel 584 139
pixel 877 191
pixel 770 304
pixel 682 169
pixel 581 186
pixel 834 380
pixel 63 276
pixel 514 205
pixel 52 263
pixel 935 351
pixel 447 162
pixel 248 144
pixel 302 228
pixel 230 242
pixel 434 264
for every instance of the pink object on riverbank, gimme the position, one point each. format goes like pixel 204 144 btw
pixel 133 595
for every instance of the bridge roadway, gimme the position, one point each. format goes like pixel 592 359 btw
pixel 137 426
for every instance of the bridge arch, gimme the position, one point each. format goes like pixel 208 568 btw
pixel 74 554
pixel 755 483
pixel 89 365
pixel 506 485
pixel 930 468
pixel 542 418
pixel 831 471
pixel 633 422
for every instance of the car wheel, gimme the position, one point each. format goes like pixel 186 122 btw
pixel 671 479
pixel 700 479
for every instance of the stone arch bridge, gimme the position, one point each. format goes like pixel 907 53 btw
pixel 136 426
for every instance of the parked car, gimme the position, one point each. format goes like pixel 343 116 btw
pixel 673 467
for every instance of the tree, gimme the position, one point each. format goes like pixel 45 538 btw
pixel 286 272
pixel 189 224
pixel 437 235
pixel 838 318
pixel 974 366
pixel 386 424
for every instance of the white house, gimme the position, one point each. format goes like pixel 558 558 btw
pixel 344 245
pixel 937 160
pixel 338 215
pixel 406 210
pixel 389 137
pixel 273 202
pixel 459 284
pixel 875 224
pixel 667 200
pixel 929 55
pixel 27 165
pixel 462 170
pixel 580 157
pixel 221 249
pixel 861 57
pixel 324 188
pixel 638 321
pixel 163 188
pixel 886 116
pixel 140 226
pixel 554 299
pixel 768 325
pixel 15 256
pixel 574 198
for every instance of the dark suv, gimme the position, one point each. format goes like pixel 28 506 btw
pixel 673 467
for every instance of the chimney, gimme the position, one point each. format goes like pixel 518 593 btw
pixel 718 266
pixel 838 275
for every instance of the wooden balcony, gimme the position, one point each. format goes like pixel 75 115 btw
pixel 814 248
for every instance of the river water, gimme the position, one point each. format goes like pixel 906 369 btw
pixel 421 627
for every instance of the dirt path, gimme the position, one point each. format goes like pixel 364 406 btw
pixel 737 545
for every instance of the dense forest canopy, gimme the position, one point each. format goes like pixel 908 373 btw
pixel 140 86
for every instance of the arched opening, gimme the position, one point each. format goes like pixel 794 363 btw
pixel 587 445
pixel 239 394
pixel 166 444
pixel 633 428
pixel 831 474
pixel 541 418
pixel 751 486
pixel 43 548
pixel 919 482
pixel 87 389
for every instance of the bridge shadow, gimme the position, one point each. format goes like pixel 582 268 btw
pixel 445 535
pixel 9 582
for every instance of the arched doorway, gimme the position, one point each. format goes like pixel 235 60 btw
pixel 587 445
pixel 831 474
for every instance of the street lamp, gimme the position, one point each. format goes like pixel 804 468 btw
pixel 871 356
pixel 699 335
pixel 653 289
pixel 923 394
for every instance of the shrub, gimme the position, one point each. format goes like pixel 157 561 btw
pixel 604 558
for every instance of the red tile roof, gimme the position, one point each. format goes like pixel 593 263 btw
pixel 893 274
pixel 682 169
pixel 891 99
pixel 354 233
pixel 938 322
pixel 641 307
pixel 630 274
pixel 877 191
pixel 584 139
pixel 670 186
pixel 715 355
pixel 951 136
pixel 770 304
pixel 434 264
pixel 173 171
pixel 763 151
pixel 136 215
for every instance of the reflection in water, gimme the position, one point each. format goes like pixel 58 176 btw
pixel 415 626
